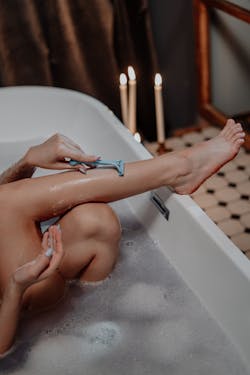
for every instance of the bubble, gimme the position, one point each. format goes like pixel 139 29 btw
pixel 70 354
pixel 54 354
pixel 169 340
pixel 106 334
pixel 129 243
pixel 142 299
pixel 83 283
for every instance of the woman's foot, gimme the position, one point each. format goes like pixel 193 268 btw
pixel 205 158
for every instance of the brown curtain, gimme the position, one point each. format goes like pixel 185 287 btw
pixel 82 45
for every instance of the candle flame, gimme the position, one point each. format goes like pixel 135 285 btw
pixel 158 79
pixel 137 137
pixel 131 73
pixel 123 79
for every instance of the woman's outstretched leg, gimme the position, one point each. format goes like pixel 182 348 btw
pixel 184 171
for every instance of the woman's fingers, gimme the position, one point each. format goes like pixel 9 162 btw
pixel 56 256
pixel 68 153
pixel 44 264
pixel 58 239
pixel 76 154
pixel 29 272
pixel 38 267
pixel 65 148
pixel 45 239
pixel 51 154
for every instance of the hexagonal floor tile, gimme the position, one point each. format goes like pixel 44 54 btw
pixel 175 143
pixel 244 188
pixel 230 166
pixel 245 220
pixel 242 241
pixel 215 182
pixel 236 176
pixel 218 214
pixel 210 132
pixel 231 227
pixel 205 200
pixel 193 137
pixel 227 195
pixel 239 207
pixel 243 159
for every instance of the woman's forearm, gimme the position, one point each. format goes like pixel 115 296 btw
pixel 22 169
pixel 9 315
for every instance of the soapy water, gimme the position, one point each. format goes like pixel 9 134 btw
pixel 142 319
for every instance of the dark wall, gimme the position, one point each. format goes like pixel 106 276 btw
pixel 172 24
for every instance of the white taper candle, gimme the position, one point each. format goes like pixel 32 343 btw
pixel 132 100
pixel 159 109
pixel 124 98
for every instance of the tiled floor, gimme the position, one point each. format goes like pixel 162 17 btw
pixel 225 197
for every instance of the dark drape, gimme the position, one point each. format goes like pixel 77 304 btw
pixel 82 45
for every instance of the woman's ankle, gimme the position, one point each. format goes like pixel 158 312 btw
pixel 180 167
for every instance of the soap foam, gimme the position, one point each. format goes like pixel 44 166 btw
pixel 142 300
pixel 104 334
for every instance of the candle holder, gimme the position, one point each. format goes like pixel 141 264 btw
pixel 162 149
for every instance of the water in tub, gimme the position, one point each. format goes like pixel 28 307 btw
pixel 143 319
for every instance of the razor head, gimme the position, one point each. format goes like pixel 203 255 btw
pixel 116 164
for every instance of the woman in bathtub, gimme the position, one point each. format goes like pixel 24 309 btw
pixel 34 267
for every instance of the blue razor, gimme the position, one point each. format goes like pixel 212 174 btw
pixel 117 164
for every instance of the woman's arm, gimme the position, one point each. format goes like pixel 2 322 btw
pixel 9 315
pixel 50 154
pixel 18 171
pixel 40 268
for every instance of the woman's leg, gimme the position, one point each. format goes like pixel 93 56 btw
pixel 23 203
pixel 44 197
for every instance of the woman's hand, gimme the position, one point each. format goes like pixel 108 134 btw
pixel 45 264
pixel 52 153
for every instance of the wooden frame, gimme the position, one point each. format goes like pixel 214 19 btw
pixel 201 14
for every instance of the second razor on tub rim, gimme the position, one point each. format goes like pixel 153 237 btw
pixel 116 164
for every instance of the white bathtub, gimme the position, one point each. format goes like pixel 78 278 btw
pixel 211 265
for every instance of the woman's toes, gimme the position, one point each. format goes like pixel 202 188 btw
pixel 237 131
pixel 238 136
pixel 230 124
pixel 239 141
pixel 227 128
pixel 238 128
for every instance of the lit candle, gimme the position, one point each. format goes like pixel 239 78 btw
pixel 137 137
pixel 124 98
pixel 159 109
pixel 132 100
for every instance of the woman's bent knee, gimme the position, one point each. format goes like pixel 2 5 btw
pixel 44 294
pixel 97 220
pixel 91 233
